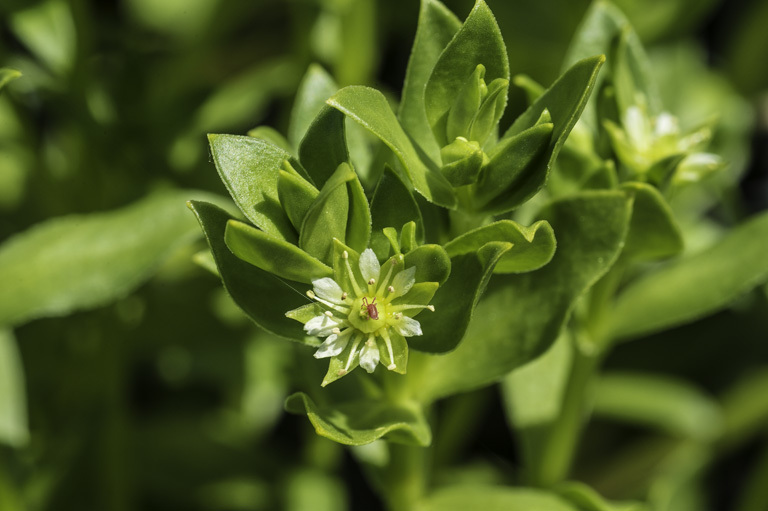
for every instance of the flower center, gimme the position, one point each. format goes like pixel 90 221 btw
pixel 368 314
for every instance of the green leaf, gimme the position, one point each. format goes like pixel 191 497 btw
pixel 437 26
pixel 432 263
pixel 653 231
pixel 663 403
pixel 494 498
pixel 324 147
pixel 316 86
pixel 564 101
pixel 601 29
pixel 7 75
pixel 694 286
pixel 369 107
pixel 587 499
pixel 271 135
pixel 249 169
pixel 48 30
pixel 13 400
pixel 392 205
pixel 514 173
pixel 478 41
pixel 521 315
pixel 296 195
pixel 532 247
pixel 272 254
pixel 362 421
pixel 84 261
pixel 262 296
pixel 456 299
pixel 358 233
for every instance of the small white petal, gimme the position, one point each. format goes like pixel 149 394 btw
pixel 666 124
pixel 327 289
pixel 369 265
pixel 403 282
pixel 321 326
pixel 369 356
pixel 407 327
pixel 332 346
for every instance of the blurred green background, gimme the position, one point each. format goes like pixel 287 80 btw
pixel 160 394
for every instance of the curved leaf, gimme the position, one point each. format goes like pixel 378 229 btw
pixel 653 231
pixel 587 499
pixel 521 315
pixel 316 86
pixel 392 205
pixel 532 247
pixel 456 299
pixel 249 169
pixel 369 107
pixel 324 147
pixel 695 286
pixel 83 261
pixel 360 422
pixel 13 398
pixel 431 261
pixel 261 295
pixel 7 75
pixel 437 26
pixel 478 41
pixel 272 254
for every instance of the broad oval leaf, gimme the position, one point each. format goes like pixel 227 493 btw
pixel 478 41
pixel 262 296
pixel 694 286
pixel 455 300
pixel 532 247
pixel 521 315
pixel 369 107
pixel 83 261
pixel 272 254
pixel 362 421
pixel 249 167
pixel 437 26
pixel 431 261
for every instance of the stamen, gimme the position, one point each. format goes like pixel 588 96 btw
pixel 353 352
pixel 311 294
pixel 351 275
pixel 328 313
pixel 336 331
pixel 391 289
pixel 345 255
pixel 431 308
pixel 339 308
pixel 344 295
pixel 398 308
pixel 372 282
pixel 388 342
pixel 386 278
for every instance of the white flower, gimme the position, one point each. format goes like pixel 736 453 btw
pixel 367 314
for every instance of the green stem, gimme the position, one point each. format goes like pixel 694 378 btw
pixel 404 479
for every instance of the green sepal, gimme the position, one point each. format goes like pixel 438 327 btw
pixel 392 205
pixel 360 422
pixel 462 161
pixel 532 247
pixel 249 169
pixel 337 366
pixel 653 232
pixel 478 41
pixel 465 107
pixel 296 196
pixel 273 255
pixel 324 146
pixel 432 263
pixel 262 296
pixel 437 26
pixel 391 234
pixel 420 294
pixel 359 222
pixel 514 172
pixel 370 108
pixel 455 300
pixel 305 312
